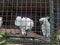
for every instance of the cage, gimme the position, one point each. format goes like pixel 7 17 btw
pixel 33 9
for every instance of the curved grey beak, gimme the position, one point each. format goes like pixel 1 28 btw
pixel 41 22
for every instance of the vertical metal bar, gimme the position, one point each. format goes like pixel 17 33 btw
pixel 3 9
pixel 36 15
pixel 58 13
pixel 52 21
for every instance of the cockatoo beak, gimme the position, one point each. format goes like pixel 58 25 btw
pixel 41 22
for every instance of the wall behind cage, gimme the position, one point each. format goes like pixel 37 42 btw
pixel 33 9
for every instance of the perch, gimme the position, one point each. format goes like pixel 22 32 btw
pixel 17 33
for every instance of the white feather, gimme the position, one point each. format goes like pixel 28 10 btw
pixel 27 23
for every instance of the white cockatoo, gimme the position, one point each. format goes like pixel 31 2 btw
pixel 24 24
pixel 45 26
pixel 1 21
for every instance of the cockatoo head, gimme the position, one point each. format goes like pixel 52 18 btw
pixel 44 19
pixel 41 20
pixel 18 18
pixel 18 21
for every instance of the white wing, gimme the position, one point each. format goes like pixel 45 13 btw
pixel 27 23
pixel 30 24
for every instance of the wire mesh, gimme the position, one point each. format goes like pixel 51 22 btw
pixel 33 9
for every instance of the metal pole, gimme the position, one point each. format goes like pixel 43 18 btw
pixel 52 21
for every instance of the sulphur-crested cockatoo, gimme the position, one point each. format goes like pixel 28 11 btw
pixel 45 26
pixel 1 21
pixel 24 24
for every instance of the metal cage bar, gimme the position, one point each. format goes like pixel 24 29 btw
pixel 52 20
